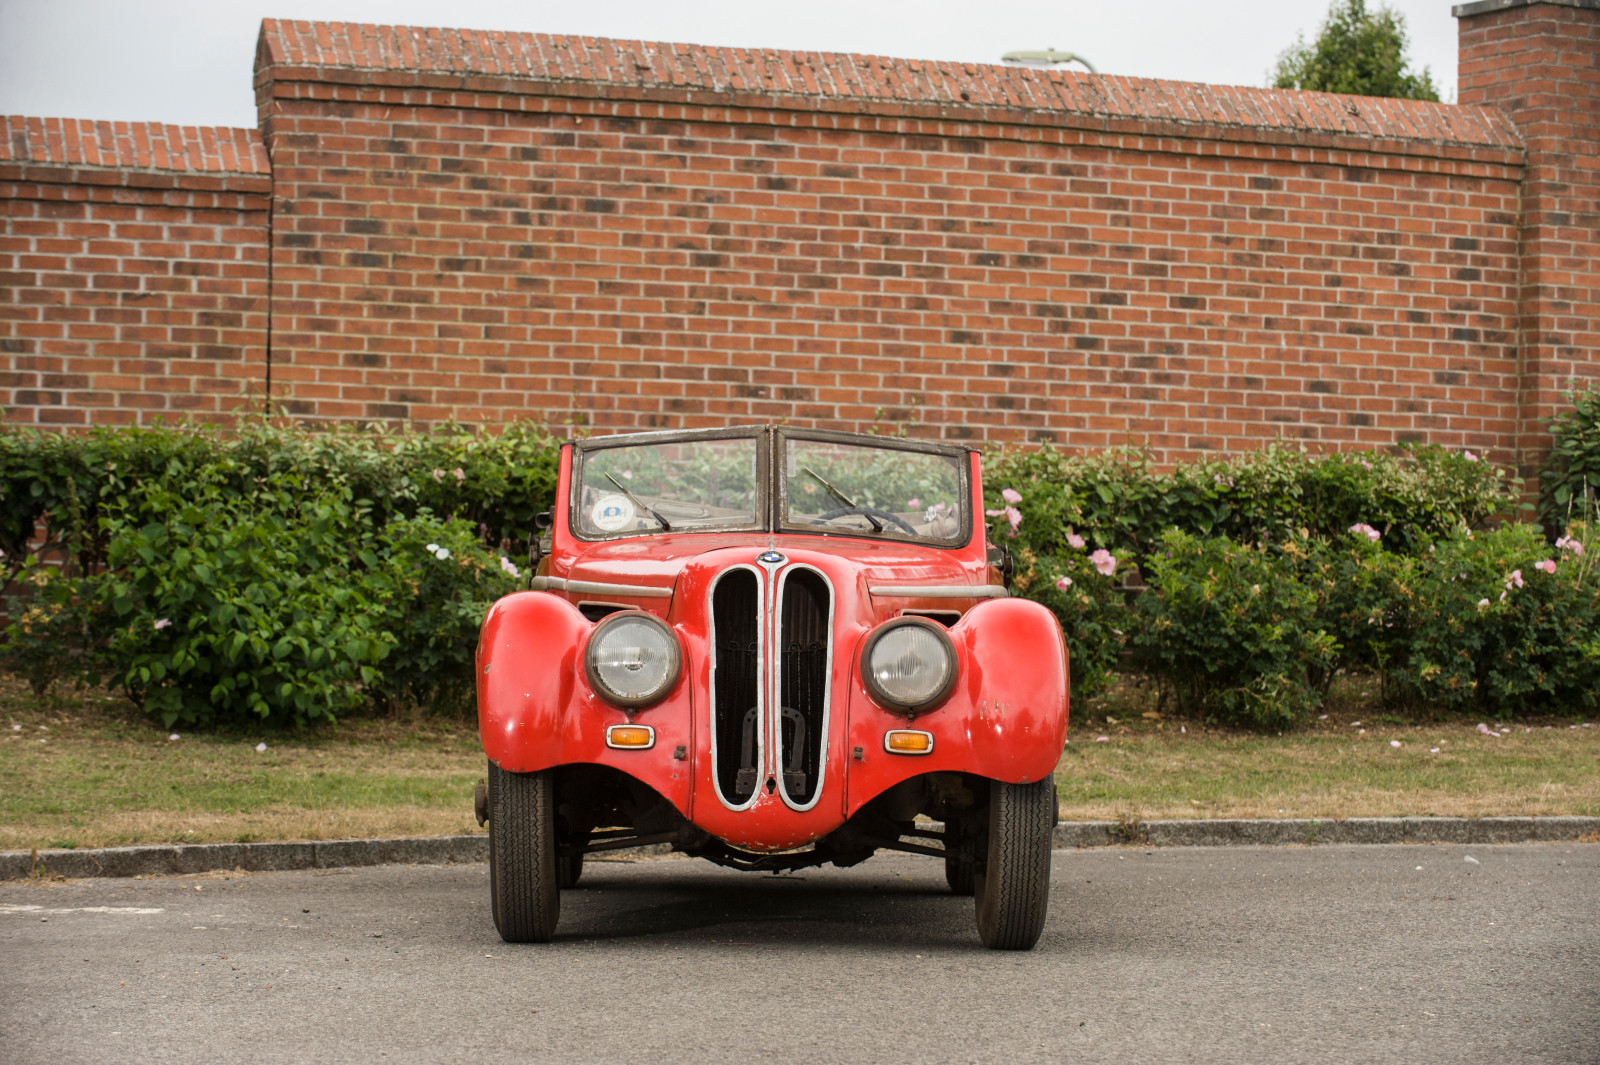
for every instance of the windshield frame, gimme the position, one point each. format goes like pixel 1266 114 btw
pixel 959 452
pixel 771 443
pixel 758 434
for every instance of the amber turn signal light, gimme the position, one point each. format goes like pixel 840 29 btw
pixel 631 737
pixel 908 741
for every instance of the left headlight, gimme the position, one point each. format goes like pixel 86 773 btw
pixel 909 664
pixel 632 659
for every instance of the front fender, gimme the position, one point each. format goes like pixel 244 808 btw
pixel 1005 720
pixel 536 710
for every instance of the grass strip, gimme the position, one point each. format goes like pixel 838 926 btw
pixel 87 770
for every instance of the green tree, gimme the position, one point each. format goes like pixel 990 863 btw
pixel 1359 52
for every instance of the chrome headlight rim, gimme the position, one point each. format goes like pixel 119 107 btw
pixel 881 697
pixel 615 698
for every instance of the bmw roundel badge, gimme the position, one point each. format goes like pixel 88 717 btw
pixel 771 558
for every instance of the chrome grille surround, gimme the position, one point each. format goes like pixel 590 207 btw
pixel 738 672
pixel 804 681
pixel 771 675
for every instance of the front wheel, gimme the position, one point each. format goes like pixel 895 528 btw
pixel 524 872
pixel 1012 888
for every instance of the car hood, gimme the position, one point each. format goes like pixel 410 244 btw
pixel 658 561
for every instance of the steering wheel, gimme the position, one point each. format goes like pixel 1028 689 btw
pixel 884 515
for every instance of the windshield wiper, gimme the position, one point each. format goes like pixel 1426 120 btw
pixel 641 504
pixel 877 526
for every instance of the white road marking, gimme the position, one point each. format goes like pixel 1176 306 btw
pixel 7 907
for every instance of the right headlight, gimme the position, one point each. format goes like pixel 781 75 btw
pixel 909 664
pixel 632 659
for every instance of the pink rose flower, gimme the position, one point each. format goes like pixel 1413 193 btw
pixel 163 623
pixel 459 474
pixel 1469 456
pixel 1014 516
pixel 1064 583
pixel 1515 580
pixel 1366 530
pixel 913 504
pixel 1567 543
pixel 1010 496
pixel 1075 540
pixel 1548 565
pixel 1104 561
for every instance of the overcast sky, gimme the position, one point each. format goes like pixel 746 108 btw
pixel 189 61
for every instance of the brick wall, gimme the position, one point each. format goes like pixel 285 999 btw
pixel 594 242
pixel 989 290
pixel 614 235
pixel 133 272
pixel 1541 64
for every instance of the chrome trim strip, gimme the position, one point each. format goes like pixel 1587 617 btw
pixel 628 746
pixel 827 690
pixel 772 695
pixel 561 584
pixel 942 591
pixel 761 686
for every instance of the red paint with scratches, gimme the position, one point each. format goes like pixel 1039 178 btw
pixel 1006 718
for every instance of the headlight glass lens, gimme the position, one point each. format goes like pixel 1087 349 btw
pixel 910 665
pixel 632 659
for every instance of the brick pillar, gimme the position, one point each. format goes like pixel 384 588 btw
pixel 1539 60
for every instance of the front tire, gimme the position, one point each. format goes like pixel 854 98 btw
pixel 1012 889
pixel 524 877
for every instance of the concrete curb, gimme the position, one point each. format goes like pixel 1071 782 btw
pixel 1277 832
pixel 252 857
pixel 445 850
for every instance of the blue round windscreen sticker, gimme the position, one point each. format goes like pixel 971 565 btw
pixel 612 513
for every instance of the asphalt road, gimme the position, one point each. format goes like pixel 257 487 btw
pixel 1327 954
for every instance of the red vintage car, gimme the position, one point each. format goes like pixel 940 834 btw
pixel 772 648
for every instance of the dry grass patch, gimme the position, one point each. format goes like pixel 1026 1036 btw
pixel 1149 769
pixel 89 771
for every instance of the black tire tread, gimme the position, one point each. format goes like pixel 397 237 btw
pixel 524 890
pixel 1013 893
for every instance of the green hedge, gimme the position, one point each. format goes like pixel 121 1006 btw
pixel 1054 509
pixel 271 573
pixel 291 576
pixel 1494 622
pixel 1569 483
pixel 1115 500
pixel 66 484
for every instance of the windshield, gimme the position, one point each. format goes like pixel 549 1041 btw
pixel 684 486
pixel 872 491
